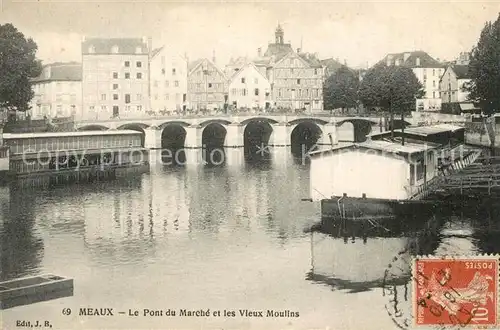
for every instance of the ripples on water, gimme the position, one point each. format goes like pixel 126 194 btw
pixel 220 237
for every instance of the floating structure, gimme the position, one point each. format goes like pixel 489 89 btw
pixel 66 152
pixel 29 290
pixel 389 175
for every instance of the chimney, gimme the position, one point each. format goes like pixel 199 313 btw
pixel 298 50
pixel 213 56
pixel 259 52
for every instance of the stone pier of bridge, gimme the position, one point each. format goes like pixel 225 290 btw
pixel 280 136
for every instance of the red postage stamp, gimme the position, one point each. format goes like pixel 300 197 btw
pixel 457 291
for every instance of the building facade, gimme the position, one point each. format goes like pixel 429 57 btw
pixel 249 88
pixel 296 79
pixel 207 86
pixel 168 81
pixel 427 70
pixel 453 84
pixel 115 77
pixel 58 91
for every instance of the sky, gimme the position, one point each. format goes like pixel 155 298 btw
pixel 361 33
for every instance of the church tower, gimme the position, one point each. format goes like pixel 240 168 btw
pixel 279 35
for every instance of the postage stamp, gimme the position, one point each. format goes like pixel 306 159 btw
pixel 456 291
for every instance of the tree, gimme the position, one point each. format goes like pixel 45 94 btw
pixel 18 64
pixel 341 89
pixel 390 87
pixel 484 69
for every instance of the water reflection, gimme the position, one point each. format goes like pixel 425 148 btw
pixel 356 255
pixel 21 248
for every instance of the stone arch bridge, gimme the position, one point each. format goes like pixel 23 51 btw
pixel 231 130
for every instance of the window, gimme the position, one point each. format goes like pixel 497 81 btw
pixel 173 72
pixel 127 64
pixel 139 97
pixel 127 98
pixel 433 83
pixel 139 108
pixel 244 91
pixel 127 108
pixel 298 81
pixel 209 85
pixel 59 110
pixel 156 97
pixel 166 97
pixel 138 64
pixel 127 75
pixel 256 92
pixel 315 71
pixel 433 95
pixel 433 72
pixel 91 49
pixel 163 71
pixel 139 75
pixel 115 86
pixel 138 50
pixel 115 109
pixel 242 80
pixel 176 83
pixel 104 108
pixel 115 96
pixel 103 97
pixel 256 80
pixel 92 108
pixel 114 50
pixel 115 75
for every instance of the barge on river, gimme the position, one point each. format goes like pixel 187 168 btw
pixel 388 175
pixel 80 153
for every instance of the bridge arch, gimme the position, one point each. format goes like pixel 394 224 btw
pixel 139 127
pixel 355 129
pixel 259 119
pixel 173 138
pixel 134 126
pixel 221 122
pixel 212 141
pixel 304 137
pixel 174 122
pixel 256 138
pixel 93 127
pixel 317 121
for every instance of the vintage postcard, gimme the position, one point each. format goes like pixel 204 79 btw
pixel 295 165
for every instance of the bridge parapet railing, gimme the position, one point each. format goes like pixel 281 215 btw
pixel 230 115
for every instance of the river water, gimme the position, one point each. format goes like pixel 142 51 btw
pixel 222 238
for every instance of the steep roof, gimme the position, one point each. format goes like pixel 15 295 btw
pixel 197 63
pixel 311 59
pixel 462 71
pixel 70 71
pixel 156 51
pixel 105 45
pixel 242 69
pixel 409 59
pixel 278 51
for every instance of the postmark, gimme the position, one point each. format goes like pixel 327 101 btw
pixel 456 291
pixel 443 292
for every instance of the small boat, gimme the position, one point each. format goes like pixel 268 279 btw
pixel 391 174
pixel 29 290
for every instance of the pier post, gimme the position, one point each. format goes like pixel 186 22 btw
pixel 280 136
pixel 193 137
pixel 234 136
pixel 152 137
pixel 329 130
